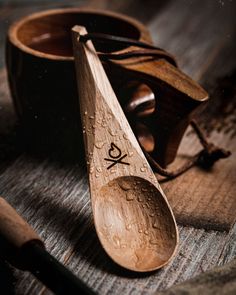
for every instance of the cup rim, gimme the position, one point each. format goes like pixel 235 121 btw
pixel 12 32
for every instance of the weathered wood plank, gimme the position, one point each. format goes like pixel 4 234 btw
pixel 53 195
pixel 221 280
pixel 229 250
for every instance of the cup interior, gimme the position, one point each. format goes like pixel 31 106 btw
pixel 51 33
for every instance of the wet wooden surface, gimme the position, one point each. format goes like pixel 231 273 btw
pixel 52 194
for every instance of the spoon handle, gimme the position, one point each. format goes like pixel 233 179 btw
pixel 95 89
pixel 110 144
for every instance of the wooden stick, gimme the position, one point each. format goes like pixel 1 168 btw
pixel 13 228
pixel 23 248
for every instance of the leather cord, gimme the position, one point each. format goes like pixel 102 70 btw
pixel 206 158
pixel 150 50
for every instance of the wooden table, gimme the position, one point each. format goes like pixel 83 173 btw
pixel 52 194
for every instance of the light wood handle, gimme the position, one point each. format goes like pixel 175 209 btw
pixel 13 228
pixel 103 119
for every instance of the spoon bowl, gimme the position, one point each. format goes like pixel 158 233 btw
pixel 133 219
pixel 133 225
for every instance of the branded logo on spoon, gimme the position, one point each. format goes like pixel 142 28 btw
pixel 116 156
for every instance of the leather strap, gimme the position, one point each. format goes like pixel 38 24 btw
pixel 150 50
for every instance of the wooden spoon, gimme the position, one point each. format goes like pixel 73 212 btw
pixel 133 219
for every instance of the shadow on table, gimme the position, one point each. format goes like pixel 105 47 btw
pixel 7 279
pixel 74 222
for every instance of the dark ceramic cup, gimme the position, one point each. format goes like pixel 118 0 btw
pixel 41 72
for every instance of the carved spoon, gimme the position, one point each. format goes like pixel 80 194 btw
pixel 133 219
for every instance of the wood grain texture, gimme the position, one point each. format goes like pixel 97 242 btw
pixel 221 280
pixel 52 194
